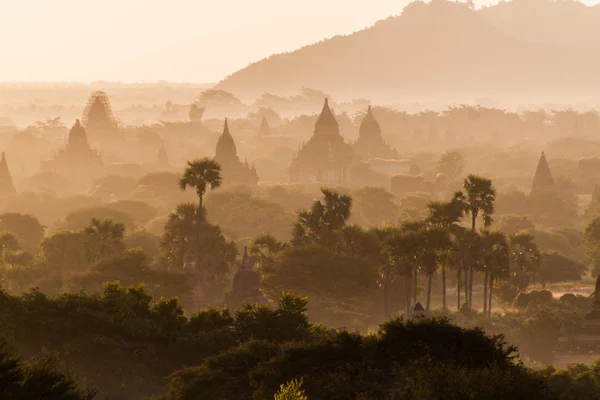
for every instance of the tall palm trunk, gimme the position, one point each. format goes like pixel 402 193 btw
pixel 407 287
pixel 471 286
pixel 429 280
pixel 485 291
pixel 415 285
pixel 458 283
pixel 466 285
pixel 386 298
pixel 444 308
pixel 490 294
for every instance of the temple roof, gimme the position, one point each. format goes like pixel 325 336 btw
pixel 162 159
pixel 77 136
pixel 265 129
pixel 369 127
pixel 543 177
pixel 326 123
pixel 6 182
pixel 225 145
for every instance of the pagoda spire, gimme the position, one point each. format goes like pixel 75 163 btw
pixel 265 129
pixel 543 176
pixel 162 160
pixel 6 182
pixel 326 123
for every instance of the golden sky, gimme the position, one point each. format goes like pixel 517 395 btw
pixel 174 40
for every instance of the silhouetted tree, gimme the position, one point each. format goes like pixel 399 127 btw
pixel 200 174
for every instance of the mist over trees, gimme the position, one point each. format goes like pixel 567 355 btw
pixel 310 227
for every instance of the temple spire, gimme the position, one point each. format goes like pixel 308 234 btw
pixel 162 160
pixel 543 176
pixel 265 129
pixel 226 128
pixel 6 182
pixel 326 123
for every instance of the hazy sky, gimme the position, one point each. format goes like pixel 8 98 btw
pixel 174 40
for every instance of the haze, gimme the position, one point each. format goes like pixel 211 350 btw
pixel 181 41
pixel 293 200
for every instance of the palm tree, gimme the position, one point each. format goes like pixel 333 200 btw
pixel 434 247
pixel 497 263
pixel 324 220
pixel 103 238
pixel 199 174
pixel 401 250
pixel 446 215
pixel 386 267
pixel 266 247
pixel 478 198
pixel 525 259
pixel 494 262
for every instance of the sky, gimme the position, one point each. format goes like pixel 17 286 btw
pixel 200 41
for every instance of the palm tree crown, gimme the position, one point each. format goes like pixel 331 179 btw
pixel 201 173
pixel 479 197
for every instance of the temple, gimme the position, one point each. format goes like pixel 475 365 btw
pixel 233 170
pixel 6 182
pixel 245 287
pixel 325 157
pixel 98 118
pixel 162 160
pixel 370 144
pixel 265 129
pixel 77 158
pixel 543 179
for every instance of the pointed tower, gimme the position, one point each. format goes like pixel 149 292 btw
pixel 6 182
pixel 369 127
pixel 98 118
pixel 265 129
pixel 77 137
pixel 543 177
pixel 162 160
pixel 326 124
pixel 326 157
pixel 370 144
pixel 226 152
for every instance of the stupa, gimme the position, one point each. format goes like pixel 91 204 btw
pixel 370 143
pixel 326 157
pixel 543 179
pixel 246 282
pixel 162 160
pixel 232 169
pixel 265 129
pixel 6 182
pixel 77 158
pixel 98 118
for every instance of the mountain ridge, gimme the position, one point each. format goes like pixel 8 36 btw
pixel 433 49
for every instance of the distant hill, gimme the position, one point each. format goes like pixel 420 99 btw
pixel 440 48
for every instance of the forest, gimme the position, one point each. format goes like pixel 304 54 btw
pixel 404 212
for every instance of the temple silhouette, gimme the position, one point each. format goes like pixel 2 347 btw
pixel 370 143
pixel 77 158
pixel 162 160
pixel 326 157
pixel 543 179
pixel 98 118
pixel 265 129
pixel 6 182
pixel 232 169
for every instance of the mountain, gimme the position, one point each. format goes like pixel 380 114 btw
pixel 444 49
